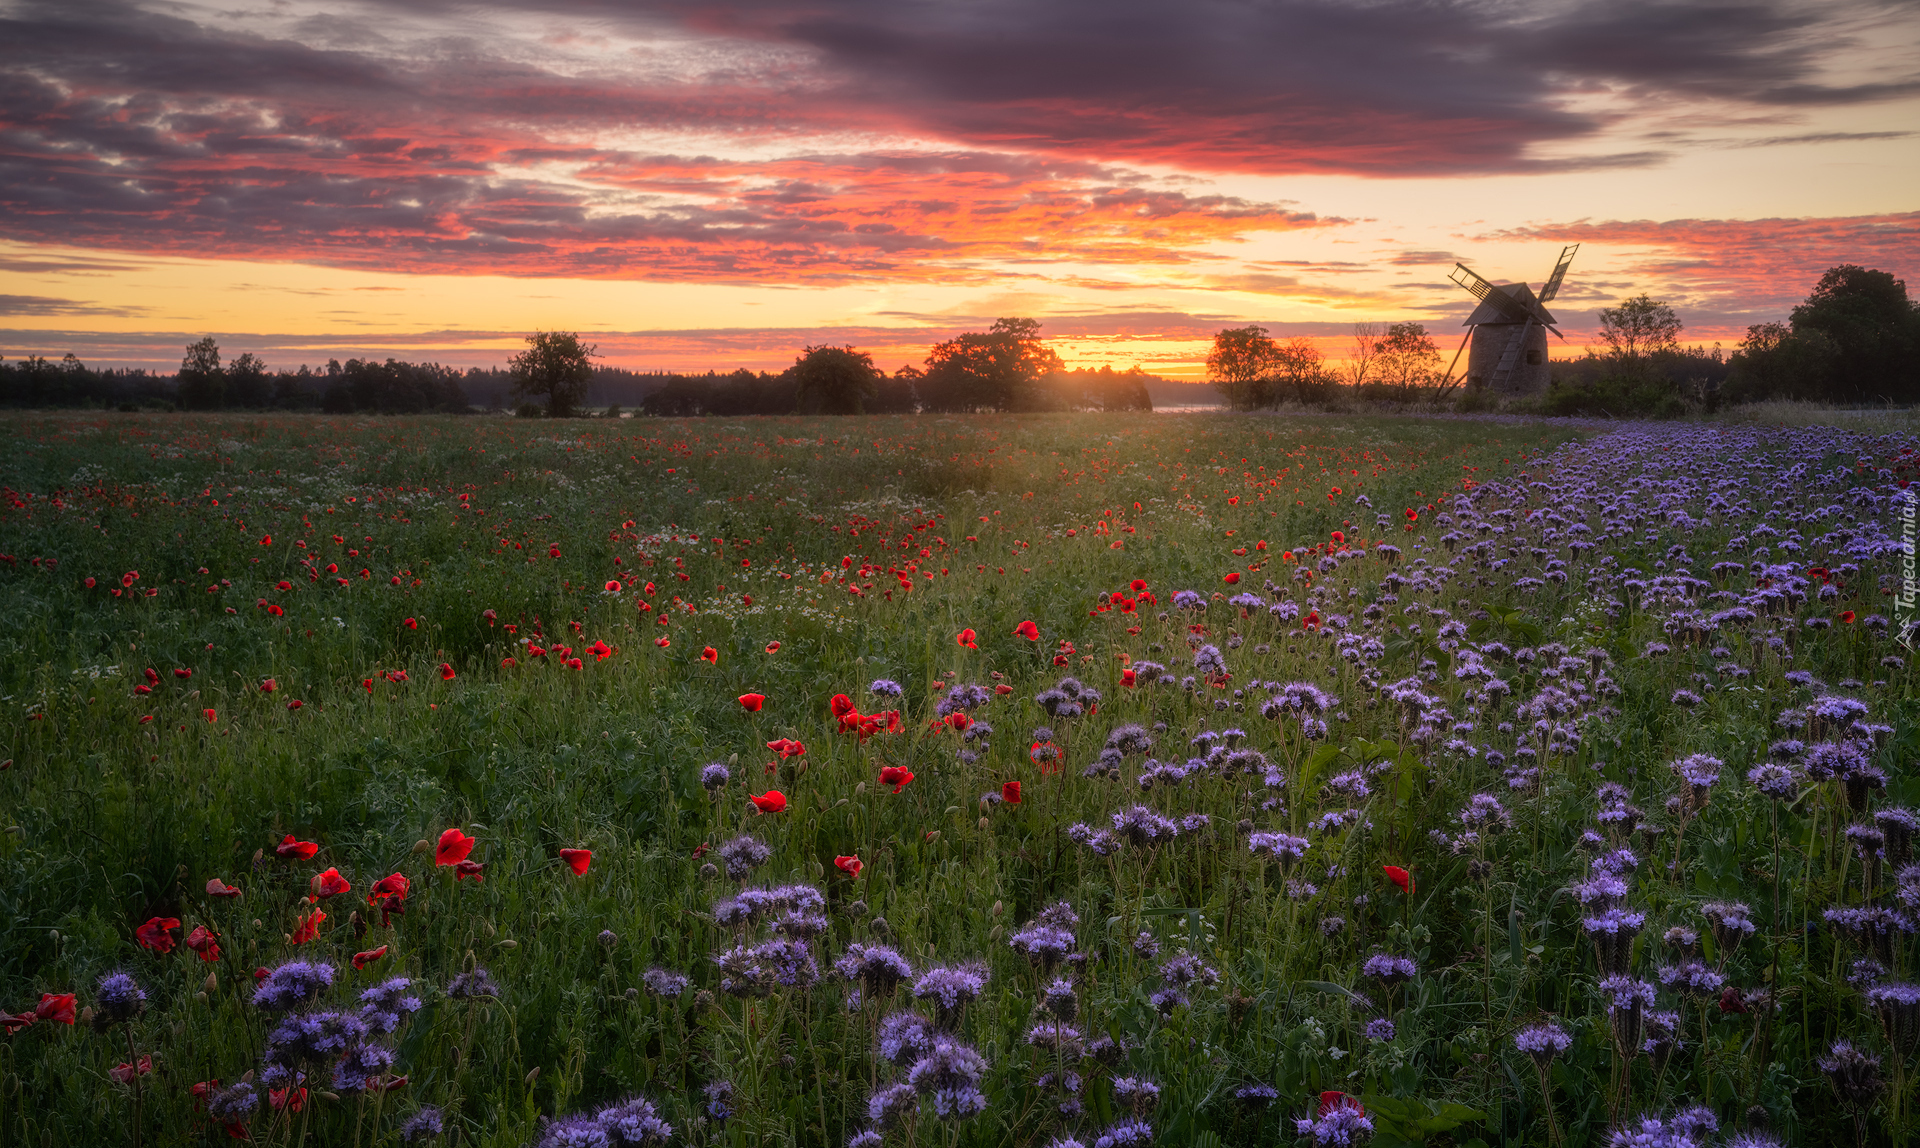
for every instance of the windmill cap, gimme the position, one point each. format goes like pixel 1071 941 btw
pixel 1490 310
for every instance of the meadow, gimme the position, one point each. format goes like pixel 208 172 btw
pixel 1081 780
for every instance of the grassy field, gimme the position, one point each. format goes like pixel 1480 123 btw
pixel 1472 651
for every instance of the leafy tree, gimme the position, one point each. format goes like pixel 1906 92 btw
pixel 203 384
pixel 556 367
pixel 996 371
pixel 1241 365
pixel 834 380
pixel 1639 327
pixel 247 384
pixel 1874 330
pixel 1404 359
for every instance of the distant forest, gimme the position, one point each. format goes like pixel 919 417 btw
pixel 1008 368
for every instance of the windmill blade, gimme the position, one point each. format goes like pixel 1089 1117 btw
pixel 1559 272
pixel 1482 290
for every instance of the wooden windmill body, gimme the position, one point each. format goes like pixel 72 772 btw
pixel 1509 328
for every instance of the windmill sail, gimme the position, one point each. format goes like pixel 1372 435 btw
pixel 1485 292
pixel 1559 272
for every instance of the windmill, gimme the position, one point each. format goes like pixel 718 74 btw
pixel 1509 330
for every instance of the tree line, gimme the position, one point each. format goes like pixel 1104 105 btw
pixel 1855 339
pixel 1007 368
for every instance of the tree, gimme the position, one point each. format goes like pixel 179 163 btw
pixel 996 371
pixel 1299 367
pixel 1404 359
pixel 1241 366
pixel 1639 327
pixel 247 384
pixel 556 367
pixel 834 380
pixel 1359 370
pixel 203 384
pixel 1874 332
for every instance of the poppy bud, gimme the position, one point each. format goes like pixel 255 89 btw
pixel 212 983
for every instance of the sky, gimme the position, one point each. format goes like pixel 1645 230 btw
pixel 719 183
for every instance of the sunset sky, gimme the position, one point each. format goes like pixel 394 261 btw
pixel 717 183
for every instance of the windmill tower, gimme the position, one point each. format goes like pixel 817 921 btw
pixel 1509 330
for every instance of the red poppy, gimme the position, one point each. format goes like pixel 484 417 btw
pixel 1232 577
pixel 218 888
pixel 966 638
pixel 613 587
pixel 710 656
pixel 296 850
pixel 11 1023
pixel 362 960
pixel 202 1090
pixel 663 643
pixel 851 866
pixel 124 1073
pixel 285 585
pixel 1399 877
pixel 841 705
pixel 182 672
pixel 368 683
pixel 772 801
pixel 601 651
pixel 205 942
pixel 308 928
pixel 389 895
pixel 752 702
pixel 1028 630
pixel 295 704
pixel 553 551
pixel 328 884
pixel 446 672
pixel 145 718
pixel 275 610
pixel 1339 537
pixel 453 848
pixel 959 721
pixel 1010 793
pixel 1003 689
pixel 773 647
pixel 896 776
pixel 210 715
pixel 56 1007
pixel 1127 677
pixel 155 933
pixel 1846 617
pixel 269 686
pixel 1332 1100
pixel 287 1099
pixel 577 859
pixel 787 747
pixel 89 583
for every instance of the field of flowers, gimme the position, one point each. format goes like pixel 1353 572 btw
pixel 1091 781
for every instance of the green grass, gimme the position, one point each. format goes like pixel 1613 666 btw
pixel 110 821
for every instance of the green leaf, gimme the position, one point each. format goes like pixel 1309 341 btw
pixel 1332 989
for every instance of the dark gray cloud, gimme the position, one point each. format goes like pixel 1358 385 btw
pixel 125 124
pixel 47 305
